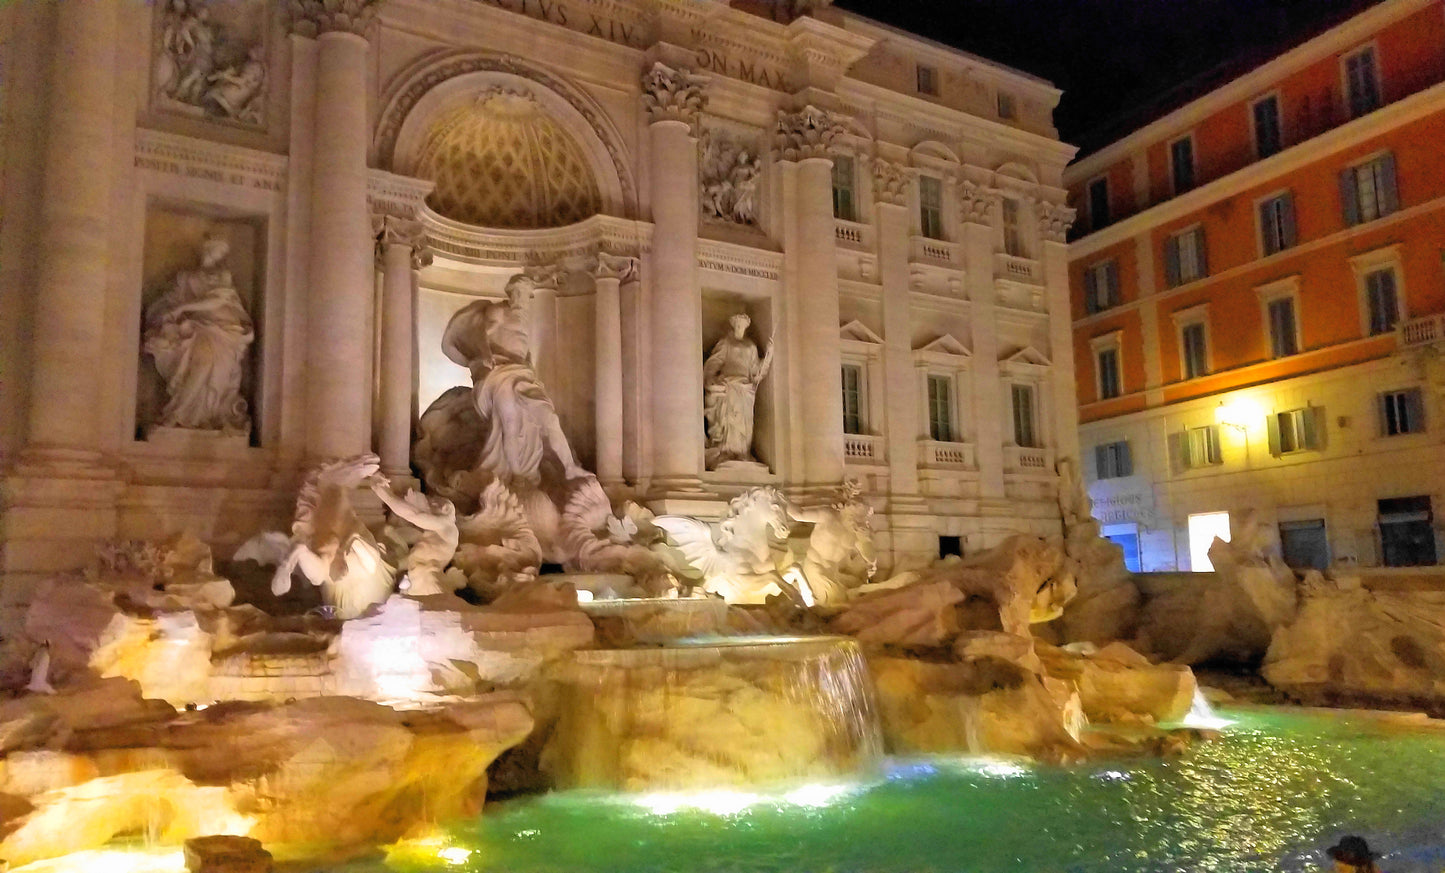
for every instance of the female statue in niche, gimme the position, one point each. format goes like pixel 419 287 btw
pixel 198 333
pixel 730 385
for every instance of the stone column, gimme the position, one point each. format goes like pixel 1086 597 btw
pixel 339 296
pixel 71 278
pixel 805 138
pixel 674 98
pixel 401 250
pixel 992 402
pixel 611 271
pixel 890 208
pixel 1054 221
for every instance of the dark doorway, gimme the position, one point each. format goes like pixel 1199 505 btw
pixel 1407 536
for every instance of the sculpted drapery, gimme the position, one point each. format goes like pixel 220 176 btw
pixel 198 334
pixel 730 379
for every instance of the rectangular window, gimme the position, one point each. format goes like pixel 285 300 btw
pixel 1268 138
pixel 1184 257
pixel 940 408
pixel 1101 286
pixel 1007 108
pixel 1099 203
pixel 1113 460
pixel 1023 403
pixel 927 80
pixel 1407 533
pixel 1402 412
pixel 1296 430
pixel 1368 191
pixel 1181 164
pixel 1194 351
pixel 1362 82
pixel 1013 242
pixel 1108 363
pixel 1303 544
pixel 1283 338
pixel 1383 301
pixel 930 207
pixel 1201 447
pixel 843 182
pixel 852 398
pixel 1276 223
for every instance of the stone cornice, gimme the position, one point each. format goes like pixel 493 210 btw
pixel 585 239
pixel 399 196
pixel 314 17
pixel 1367 127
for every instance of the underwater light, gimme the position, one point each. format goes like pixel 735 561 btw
pixel 454 855
pixel 723 802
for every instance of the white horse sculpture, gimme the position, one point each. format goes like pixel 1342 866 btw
pixel 734 557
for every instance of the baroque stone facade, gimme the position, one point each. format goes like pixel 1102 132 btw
pixel 893 259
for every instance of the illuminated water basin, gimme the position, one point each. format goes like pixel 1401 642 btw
pixel 1278 788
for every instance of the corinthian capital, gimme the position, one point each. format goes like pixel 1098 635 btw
pixel 672 95
pixel 808 133
pixel 890 182
pixel 975 202
pixel 390 230
pixel 315 17
pixel 1055 219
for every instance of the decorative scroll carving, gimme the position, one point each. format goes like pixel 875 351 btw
pixel 1054 221
pixel 890 182
pixel 392 230
pixel 211 60
pixel 672 95
pixel 808 133
pixel 729 181
pixel 976 203
pixel 315 17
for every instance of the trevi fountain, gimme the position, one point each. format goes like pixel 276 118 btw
pixel 487 449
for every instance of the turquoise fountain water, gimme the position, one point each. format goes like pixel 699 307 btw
pixel 1270 795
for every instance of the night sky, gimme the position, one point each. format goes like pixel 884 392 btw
pixel 1119 62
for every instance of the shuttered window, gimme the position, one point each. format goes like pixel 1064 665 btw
pixel 1025 432
pixel 1402 412
pixel 1381 296
pixel 1268 137
pixel 1362 82
pixel 1013 242
pixel 930 207
pixel 1296 430
pixel 1108 363
pixel 1184 257
pixel 1099 203
pixel 1194 352
pixel 1368 191
pixel 852 398
pixel 1283 336
pixel 1276 223
pixel 1197 447
pixel 940 408
pixel 1101 286
pixel 843 182
pixel 1113 460
pixel 1181 164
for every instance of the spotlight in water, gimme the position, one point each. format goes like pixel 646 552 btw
pixel 584 596
pixel 454 855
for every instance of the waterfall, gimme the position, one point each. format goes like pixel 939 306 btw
pixel 1202 715
pixel 725 714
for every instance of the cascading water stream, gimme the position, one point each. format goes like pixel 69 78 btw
pixel 723 714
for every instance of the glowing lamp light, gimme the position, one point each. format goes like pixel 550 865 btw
pixel 1238 414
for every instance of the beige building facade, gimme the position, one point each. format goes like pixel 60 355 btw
pixel 300 196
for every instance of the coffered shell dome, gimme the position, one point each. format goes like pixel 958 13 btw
pixel 502 161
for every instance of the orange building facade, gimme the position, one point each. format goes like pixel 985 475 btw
pixel 1258 294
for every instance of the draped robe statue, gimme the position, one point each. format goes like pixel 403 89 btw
pixel 730 384
pixel 198 333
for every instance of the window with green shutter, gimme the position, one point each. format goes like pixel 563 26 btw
pixel 1368 191
pixel 1276 223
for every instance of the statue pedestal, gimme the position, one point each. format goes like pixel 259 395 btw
pixel 743 472
pixel 191 441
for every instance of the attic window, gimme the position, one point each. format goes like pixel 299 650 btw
pixel 1007 108
pixel 927 80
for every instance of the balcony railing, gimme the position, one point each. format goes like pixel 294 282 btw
pixel 1423 330
pixel 933 453
pixel 852 235
pixel 1024 459
pixel 1018 269
pixel 862 448
pixel 934 251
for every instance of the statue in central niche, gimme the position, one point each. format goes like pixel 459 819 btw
pixel 491 341
pixel 730 388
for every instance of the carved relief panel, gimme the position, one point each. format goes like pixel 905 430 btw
pixel 210 59
pixel 730 169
